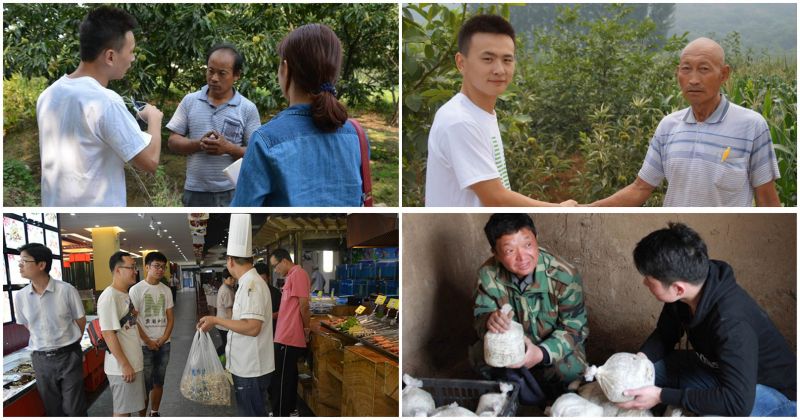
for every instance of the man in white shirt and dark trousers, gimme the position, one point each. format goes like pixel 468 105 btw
pixel 86 133
pixel 124 364
pixel 52 312
pixel 250 356
pixel 225 307
pixel 153 301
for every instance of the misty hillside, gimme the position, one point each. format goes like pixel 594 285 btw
pixel 770 27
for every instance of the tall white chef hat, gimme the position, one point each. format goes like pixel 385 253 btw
pixel 240 236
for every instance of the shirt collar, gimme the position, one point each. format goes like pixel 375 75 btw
pixel 716 117
pixel 51 287
pixel 234 101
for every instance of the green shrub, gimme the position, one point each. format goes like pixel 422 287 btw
pixel 19 187
pixel 19 100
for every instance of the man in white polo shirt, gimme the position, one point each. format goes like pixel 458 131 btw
pixel 86 133
pixel 52 312
pixel 466 163
pixel 212 127
pixel 714 153
pixel 250 356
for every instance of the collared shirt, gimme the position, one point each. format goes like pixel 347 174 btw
pixel 290 162
pixel 524 282
pixel 250 357
pixel 713 163
pixel 50 318
pixel 236 119
pixel 290 319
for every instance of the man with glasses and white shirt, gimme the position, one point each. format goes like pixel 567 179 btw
pixel 153 301
pixel 124 365
pixel 55 333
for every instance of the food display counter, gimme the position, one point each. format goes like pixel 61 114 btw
pixel 20 396
pixel 355 370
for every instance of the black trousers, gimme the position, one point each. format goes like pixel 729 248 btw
pixel 223 335
pixel 59 380
pixel 284 397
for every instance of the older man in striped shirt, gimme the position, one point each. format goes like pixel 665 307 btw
pixel 712 154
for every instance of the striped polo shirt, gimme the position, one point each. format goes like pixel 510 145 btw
pixel 715 163
pixel 237 120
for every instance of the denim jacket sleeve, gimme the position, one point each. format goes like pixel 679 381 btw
pixel 254 184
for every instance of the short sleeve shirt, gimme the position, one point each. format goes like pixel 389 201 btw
pixel 113 310
pixel 237 120
pixel 224 301
pixel 713 163
pixel 290 320
pixel 464 148
pixel 250 357
pixel 86 135
pixel 152 302
pixel 50 318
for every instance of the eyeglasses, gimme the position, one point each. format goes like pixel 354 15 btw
pixel 129 268
pixel 158 267
pixel 22 262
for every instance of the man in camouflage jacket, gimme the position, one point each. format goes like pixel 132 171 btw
pixel 546 294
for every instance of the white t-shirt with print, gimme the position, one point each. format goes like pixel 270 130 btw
pixel 464 148
pixel 112 306
pixel 251 357
pixel 152 302
pixel 86 135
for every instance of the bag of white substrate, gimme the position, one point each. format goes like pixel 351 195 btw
pixel 573 405
pixel 452 410
pixel 204 379
pixel 624 371
pixel 506 348
pixel 490 405
pixel 416 401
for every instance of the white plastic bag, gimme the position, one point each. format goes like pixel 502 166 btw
pixel 452 410
pixel 416 401
pixel 624 371
pixel 573 405
pixel 507 348
pixel 204 379
pixel 491 404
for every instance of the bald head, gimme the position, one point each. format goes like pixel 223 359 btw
pixel 705 47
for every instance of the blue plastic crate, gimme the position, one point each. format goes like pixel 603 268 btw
pixel 341 271
pixel 345 287
pixel 389 288
pixel 388 270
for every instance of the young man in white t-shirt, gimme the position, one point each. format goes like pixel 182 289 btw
pixel 86 133
pixel 124 365
pixel 466 163
pixel 153 301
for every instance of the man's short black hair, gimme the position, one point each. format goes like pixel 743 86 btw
pixel 238 59
pixel 491 24
pixel 672 254
pixel 262 267
pixel 225 273
pixel 155 256
pixel 281 254
pixel 103 28
pixel 116 259
pixel 39 253
pixel 506 224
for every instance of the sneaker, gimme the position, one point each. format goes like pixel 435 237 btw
pixel 294 413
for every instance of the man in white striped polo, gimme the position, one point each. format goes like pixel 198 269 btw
pixel 712 154
pixel 466 162
pixel 212 127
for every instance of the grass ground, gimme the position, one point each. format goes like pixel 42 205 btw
pixel 165 188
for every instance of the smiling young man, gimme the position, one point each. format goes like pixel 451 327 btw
pixel 740 364
pixel 212 127
pixel 86 133
pixel 466 162
pixel 546 294
pixel 714 153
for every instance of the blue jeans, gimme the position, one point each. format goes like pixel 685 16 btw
pixel 682 369
pixel 251 395
pixel 155 366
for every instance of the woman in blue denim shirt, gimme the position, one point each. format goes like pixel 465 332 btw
pixel 309 154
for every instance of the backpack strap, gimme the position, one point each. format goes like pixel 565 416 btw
pixel 366 175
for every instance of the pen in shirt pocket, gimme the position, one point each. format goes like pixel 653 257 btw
pixel 725 154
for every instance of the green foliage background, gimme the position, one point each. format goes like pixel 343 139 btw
pixel 40 44
pixel 586 98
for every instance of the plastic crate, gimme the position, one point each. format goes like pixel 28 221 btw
pixel 467 393
pixel 345 287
